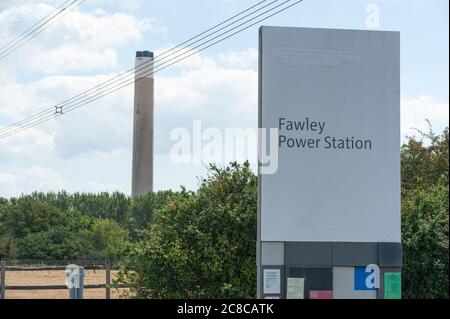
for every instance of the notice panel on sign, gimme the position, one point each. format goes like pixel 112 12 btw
pixel 295 288
pixel 272 281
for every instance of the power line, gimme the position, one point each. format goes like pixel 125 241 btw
pixel 109 91
pixel 124 84
pixel 29 34
pixel 94 98
pixel 35 35
pixel 39 27
pixel 164 55
pixel 50 111
pixel 31 27
pixel 194 49
pixel 156 65
pixel 131 72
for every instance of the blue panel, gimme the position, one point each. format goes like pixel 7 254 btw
pixel 360 278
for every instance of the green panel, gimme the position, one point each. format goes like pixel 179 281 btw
pixel 295 288
pixel 392 285
pixel 314 279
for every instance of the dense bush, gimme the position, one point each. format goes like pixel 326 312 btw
pixel 60 226
pixel 201 244
pixel 425 216
pixel 425 243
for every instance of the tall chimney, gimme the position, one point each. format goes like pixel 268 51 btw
pixel 142 176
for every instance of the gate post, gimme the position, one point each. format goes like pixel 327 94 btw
pixel 2 279
pixel 108 279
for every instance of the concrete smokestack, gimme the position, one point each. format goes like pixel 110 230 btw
pixel 142 176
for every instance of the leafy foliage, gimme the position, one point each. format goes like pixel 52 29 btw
pixel 425 161
pixel 425 216
pixel 108 237
pixel 201 244
pixel 425 241
pixel 140 211
pixel 61 226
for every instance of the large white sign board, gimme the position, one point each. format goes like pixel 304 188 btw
pixel 334 95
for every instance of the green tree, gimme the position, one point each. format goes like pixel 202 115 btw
pixel 202 244
pixel 140 212
pixel 71 238
pixel 26 215
pixel 108 238
pixel 3 203
pixel 425 216
pixel 7 247
pixel 425 242
pixel 424 161
pixel 37 246
pixel 68 240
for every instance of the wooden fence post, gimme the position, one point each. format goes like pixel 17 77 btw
pixel 2 279
pixel 108 279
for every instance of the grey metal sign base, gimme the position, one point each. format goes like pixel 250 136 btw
pixel 324 269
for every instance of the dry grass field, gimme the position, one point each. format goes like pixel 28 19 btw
pixel 56 277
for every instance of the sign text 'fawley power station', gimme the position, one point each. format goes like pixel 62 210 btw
pixel 289 137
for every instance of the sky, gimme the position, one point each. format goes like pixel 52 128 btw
pixel 89 150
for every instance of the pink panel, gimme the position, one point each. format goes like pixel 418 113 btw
pixel 321 294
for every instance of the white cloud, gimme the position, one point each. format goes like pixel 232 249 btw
pixel 30 144
pixel 209 88
pixel 70 58
pixel 81 41
pixel 185 58
pixel 240 59
pixel 96 187
pixel 27 180
pixel 210 93
pixel 415 111
pixel 128 5
pixel 10 3
pixel 219 97
pixel 17 100
pixel 100 30
pixel 22 100
pixel 104 125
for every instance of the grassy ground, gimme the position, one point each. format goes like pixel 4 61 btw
pixel 55 277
